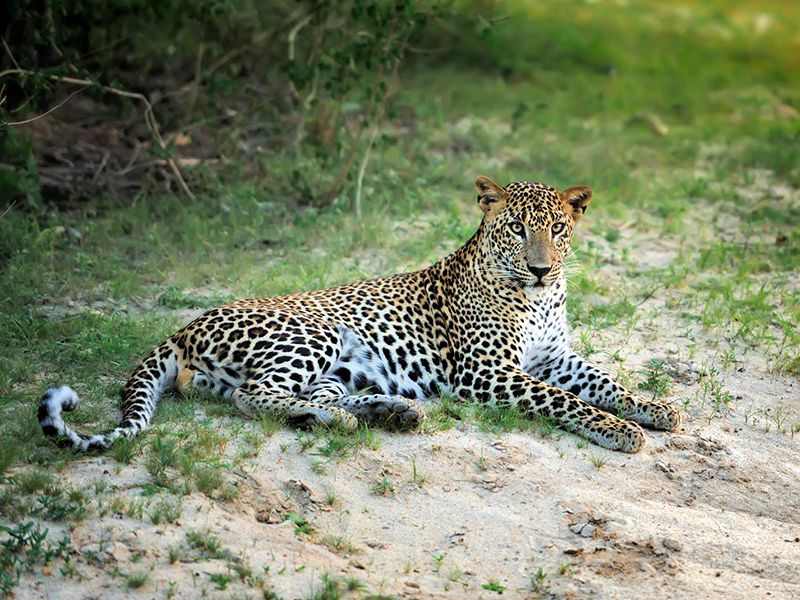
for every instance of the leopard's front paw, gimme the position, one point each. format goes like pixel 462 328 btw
pixel 664 417
pixel 391 412
pixel 628 437
pixel 616 434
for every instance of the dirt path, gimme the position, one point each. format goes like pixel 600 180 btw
pixel 711 511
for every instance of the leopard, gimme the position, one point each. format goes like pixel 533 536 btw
pixel 485 324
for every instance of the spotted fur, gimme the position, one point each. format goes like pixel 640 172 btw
pixel 487 322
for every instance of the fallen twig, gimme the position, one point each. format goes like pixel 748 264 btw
pixel 149 115
pixel 106 156
pixel 362 169
pixel 7 210
pixel 44 114
pixel 8 51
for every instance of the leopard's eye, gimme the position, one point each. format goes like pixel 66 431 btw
pixel 557 228
pixel 517 228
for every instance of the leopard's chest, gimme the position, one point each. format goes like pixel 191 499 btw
pixel 544 332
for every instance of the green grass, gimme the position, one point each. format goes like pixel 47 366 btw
pixel 137 579
pixel 301 526
pixel 656 382
pixel 494 586
pixel 206 544
pixel 166 511
pixel 24 549
pixel 447 412
pixel 384 487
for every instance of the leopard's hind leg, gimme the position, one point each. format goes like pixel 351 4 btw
pixel 256 397
pixel 387 410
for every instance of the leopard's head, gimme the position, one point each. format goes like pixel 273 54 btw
pixel 527 229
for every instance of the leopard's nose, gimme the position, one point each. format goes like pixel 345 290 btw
pixel 540 272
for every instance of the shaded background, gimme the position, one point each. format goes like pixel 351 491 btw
pixel 291 94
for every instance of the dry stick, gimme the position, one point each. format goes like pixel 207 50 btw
pixel 304 109
pixel 373 134
pixel 8 51
pixel 198 66
pixel 363 168
pixel 44 114
pixel 7 210
pixel 293 34
pixel 149 116
pixel 103 162
pixel 306 106
pixel 334 188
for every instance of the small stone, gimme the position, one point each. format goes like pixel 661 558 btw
pixel 672 544
pixel 578 527
pixel 411 584
pixel 682 442
pixel 119 552
pixel 658 549
pixel 587 531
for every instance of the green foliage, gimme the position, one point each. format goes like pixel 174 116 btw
pixel 208 545
pixel 494 586
pixel 69 506
pixel 326 62
pixel 31 482
pixel 539 582
pixel 23 549
pixel 334 588
pixel 301 526
pixel 657 381
pixel 8 453
pixel 137 579
pixel 220 579
pixel 384 487
pixel 167 511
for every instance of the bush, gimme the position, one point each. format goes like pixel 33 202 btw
pixel 312 76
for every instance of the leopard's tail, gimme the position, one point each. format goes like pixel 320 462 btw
pixel 155 374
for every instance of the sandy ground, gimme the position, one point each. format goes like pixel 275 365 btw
pixel 712 511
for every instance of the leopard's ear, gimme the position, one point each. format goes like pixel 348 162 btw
pixel 491 197
pixel 576 199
